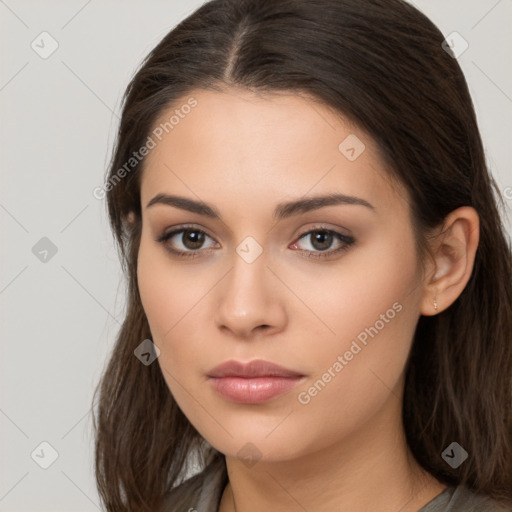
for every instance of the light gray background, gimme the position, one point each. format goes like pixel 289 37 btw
pixel 58 120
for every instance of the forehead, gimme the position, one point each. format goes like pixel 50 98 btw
pixel 260 148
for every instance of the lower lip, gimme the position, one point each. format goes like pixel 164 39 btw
pixel 253 390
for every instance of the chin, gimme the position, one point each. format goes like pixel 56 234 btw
pixel 259 444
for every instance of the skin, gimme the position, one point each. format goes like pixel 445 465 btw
pixel 243 154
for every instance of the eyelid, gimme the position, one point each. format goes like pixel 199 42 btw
pixel 180 227
pixel 319 226
pixel 169 233
pixel 298 234
pixel 345 239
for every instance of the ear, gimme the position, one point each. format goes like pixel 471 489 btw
pixel 453 250
pixel 129 219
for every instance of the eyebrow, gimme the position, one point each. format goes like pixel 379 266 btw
pixel 282 210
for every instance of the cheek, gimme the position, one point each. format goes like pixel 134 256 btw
pixel 166 291
pixel 155 291
pixel 172 297
pixel 163 298
pixel 373 311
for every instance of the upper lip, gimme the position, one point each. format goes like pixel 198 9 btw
pixel 255 368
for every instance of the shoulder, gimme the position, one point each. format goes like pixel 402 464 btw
pixel 463 499
pixel 199 493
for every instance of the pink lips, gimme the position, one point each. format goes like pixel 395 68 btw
pixel 253 382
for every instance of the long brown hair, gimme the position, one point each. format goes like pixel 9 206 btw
pixel 381 64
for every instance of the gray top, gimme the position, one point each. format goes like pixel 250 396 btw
pixel 203 493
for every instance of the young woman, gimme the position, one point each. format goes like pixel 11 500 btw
pixel 319 306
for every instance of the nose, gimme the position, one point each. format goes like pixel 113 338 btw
pixel 250 300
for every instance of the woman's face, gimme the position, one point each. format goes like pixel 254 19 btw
pixel 332 293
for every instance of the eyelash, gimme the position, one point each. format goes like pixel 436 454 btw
pixel 346 240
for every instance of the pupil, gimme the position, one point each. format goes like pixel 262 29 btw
pixel 322 240
pixel 193 239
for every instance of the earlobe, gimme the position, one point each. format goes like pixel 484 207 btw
pixel 454 251
pixel 130 218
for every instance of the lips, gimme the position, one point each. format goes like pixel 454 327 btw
pixel 254 382
pixel 253 369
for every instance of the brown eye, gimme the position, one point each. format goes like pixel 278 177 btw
pixel 186 241
pixel 192 238
pixel 321 240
